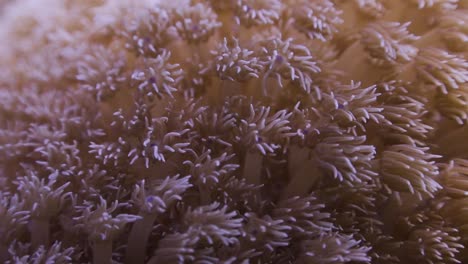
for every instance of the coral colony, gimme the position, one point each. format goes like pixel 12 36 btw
pixel 234 131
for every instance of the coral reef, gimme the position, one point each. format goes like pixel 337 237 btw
pixel 234 131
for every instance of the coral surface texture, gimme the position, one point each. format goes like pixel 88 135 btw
pixel 234 131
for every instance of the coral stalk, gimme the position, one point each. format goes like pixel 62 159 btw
pixel 303 172
pixel 252 169
pixel 102 252
pixel 39 228
pixel 3 253
pixel 138 239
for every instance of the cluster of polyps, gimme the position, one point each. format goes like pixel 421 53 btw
pixel 237 131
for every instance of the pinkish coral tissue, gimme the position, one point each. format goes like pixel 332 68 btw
pixel 235 131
